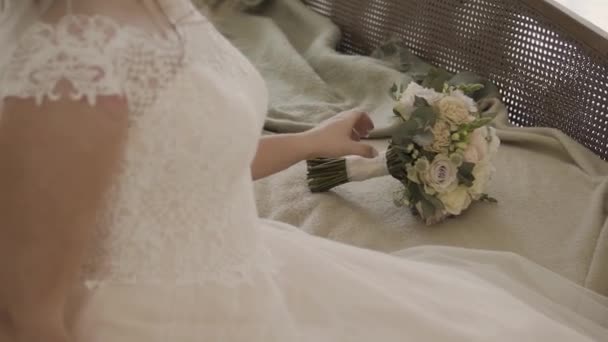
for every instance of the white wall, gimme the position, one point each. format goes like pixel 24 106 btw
pixel 596 11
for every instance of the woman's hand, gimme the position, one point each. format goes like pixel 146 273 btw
pixel 341 136
pixel 334 138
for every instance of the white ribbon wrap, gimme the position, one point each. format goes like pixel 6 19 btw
pixel 359 169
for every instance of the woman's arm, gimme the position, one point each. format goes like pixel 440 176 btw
pixel 56 162
pixel 337 137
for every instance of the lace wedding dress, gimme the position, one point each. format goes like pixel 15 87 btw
pixel 181 255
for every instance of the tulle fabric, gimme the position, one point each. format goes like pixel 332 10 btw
pixel 330 292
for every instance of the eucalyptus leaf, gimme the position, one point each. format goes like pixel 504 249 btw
pixel 427 154
pixel 428 210
pixel 406 131
pixel 466 181
pixel 489 90
pixel 425 116
pixel 465 174
pixel 436 79
pixel 478 123
pixel 434 201
pixel 415 193
pixel 487 198
pixel 467 167
pixel 421 102
pixel 470 89
pixel 424 139
pixel 401 152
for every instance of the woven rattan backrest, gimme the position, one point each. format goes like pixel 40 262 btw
pixel 551 69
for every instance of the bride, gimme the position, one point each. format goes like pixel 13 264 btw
pixel 128 140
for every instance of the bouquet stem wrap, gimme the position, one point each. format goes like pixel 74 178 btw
pixel 326 174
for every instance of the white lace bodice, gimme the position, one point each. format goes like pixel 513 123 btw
pixel 196 111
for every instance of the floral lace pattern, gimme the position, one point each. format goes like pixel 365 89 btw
pixel 165 221
pixel 77 49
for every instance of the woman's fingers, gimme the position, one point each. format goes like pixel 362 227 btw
pixel 363 150
pixel 355 135
pixel 362 124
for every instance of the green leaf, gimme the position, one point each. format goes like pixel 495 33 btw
pixel 404 157
pixel 465 174
pixel 436 79
pixel 487 198
pixel 430 204
pixel 405 132
pixel 421 102
pixel 428 154
pixel 428 210
pixel 424 139
pixel 398 156
pixel 425 116
pixel 489 89
pixel 414 192
pixel 466 181
pixel 437 204
pixel 470 88
pixel 467 167
pixel 478 123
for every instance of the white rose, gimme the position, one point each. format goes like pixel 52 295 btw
pixel 477 149
pixel 483 173
pixel 456 201
pixel 455 110
pixel 441 174
pixel 414 90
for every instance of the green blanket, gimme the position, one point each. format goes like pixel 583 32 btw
pixel 552 191
pixel 294 49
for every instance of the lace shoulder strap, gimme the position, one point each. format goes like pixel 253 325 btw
pixel 73 58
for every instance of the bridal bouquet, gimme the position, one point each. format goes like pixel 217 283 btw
pixel 442 153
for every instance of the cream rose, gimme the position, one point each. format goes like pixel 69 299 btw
pixel 477 149
pixel 455 110
pixel 456 201
pixel 441 175
pixel 442 137
pixel 482 172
